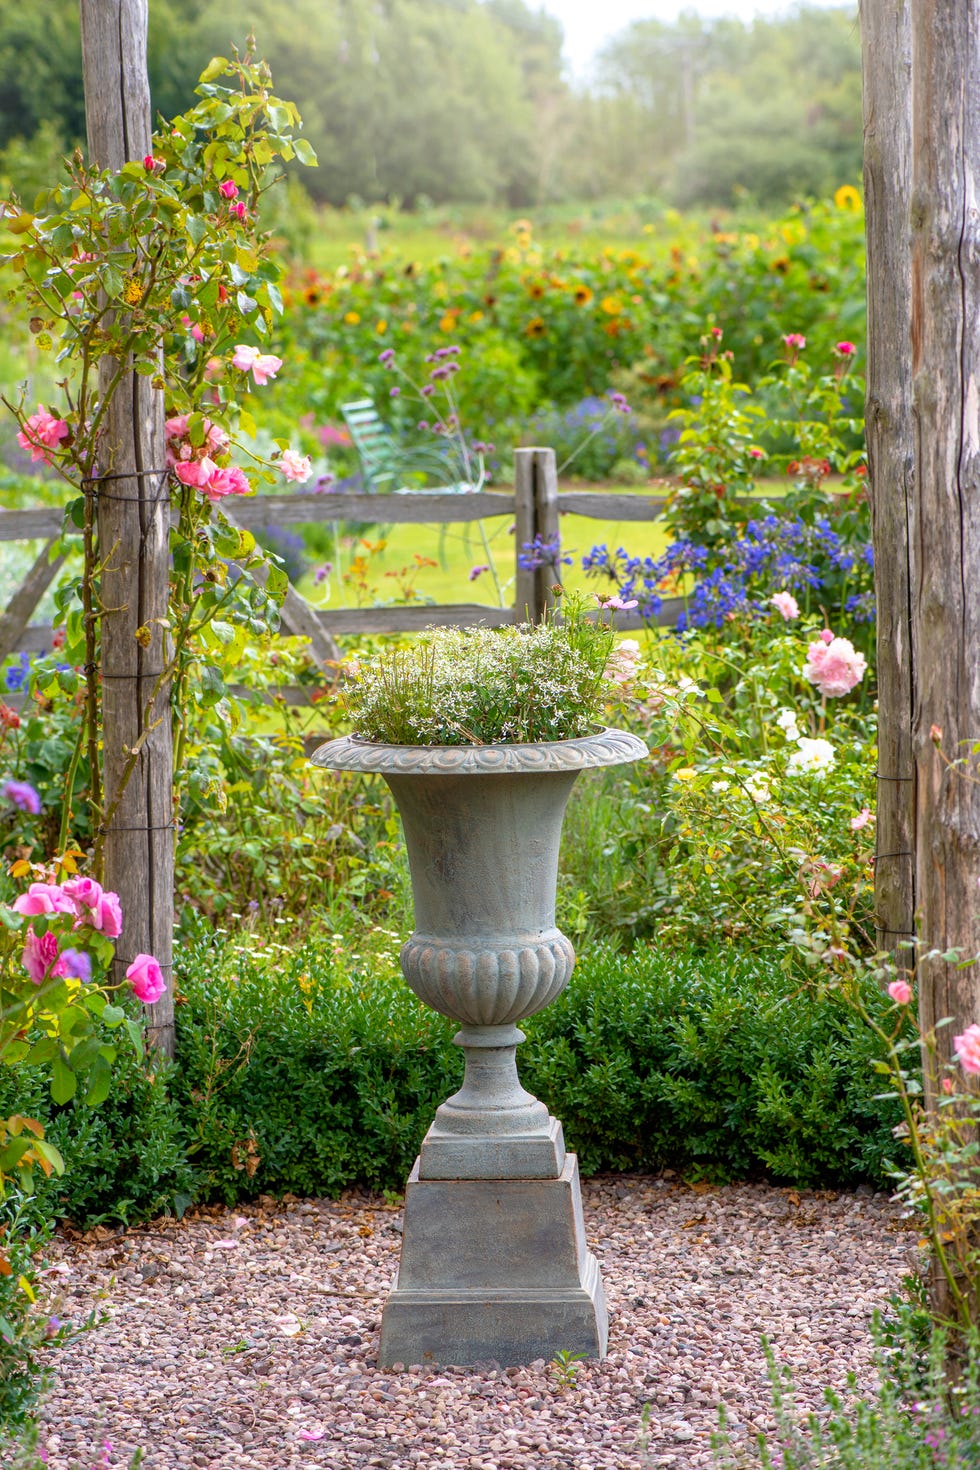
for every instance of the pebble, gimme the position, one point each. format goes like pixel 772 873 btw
pixel 258 1361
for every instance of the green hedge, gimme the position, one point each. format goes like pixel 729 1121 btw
pixel 309 1074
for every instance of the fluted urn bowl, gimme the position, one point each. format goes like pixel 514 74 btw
pixel 482 827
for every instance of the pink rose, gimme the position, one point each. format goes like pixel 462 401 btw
pixel 862 819
pixel 195 472
pixel 795 341
pixel 40 957
pixel 295 466
pixel 244 357
pixel 900 992
pixel 239 210
pixel 786 605
pixel 146 978
pixel 43 898
pixel 967 1049
pixel 834 666
pixel 845 349
pixel 95 906
pixel 228 189
pixel 262 365
pixel 42 432
pixel 230 481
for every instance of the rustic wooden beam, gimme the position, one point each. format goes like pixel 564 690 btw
pixel 31 523
pixel 414 617
pixel 15 619
pixel 417 507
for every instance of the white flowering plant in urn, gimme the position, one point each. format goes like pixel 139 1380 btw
pixel 486 686
pixel 480 735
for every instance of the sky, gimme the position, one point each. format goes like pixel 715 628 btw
pixel 588 24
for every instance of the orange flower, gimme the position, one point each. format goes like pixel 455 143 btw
pixel 535 327
pixel 582 294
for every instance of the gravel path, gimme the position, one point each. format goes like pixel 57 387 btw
pixel 247 1341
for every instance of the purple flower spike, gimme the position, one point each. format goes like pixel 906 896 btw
pixel 387 357
pixel 395 392
pixel 78 963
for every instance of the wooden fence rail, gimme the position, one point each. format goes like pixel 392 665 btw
pixel 535 506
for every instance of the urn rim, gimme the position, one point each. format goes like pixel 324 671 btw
pixel 606 747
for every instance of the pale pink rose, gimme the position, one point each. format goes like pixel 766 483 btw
pixel 862 819
pixel 244 357
pixel 835 667
pixel 795 341
pixel 40 957
pixel 264 367
pixel 947 1085
pixel 217 439
pixel 230 481
pixel 146 978
pixel 295 466
pixel 967 1049
pixel 43 898
pixel 177 428
pixel 42 432
pixel 826 636
pixel 786 605
pixel 197 332
pixel 900 992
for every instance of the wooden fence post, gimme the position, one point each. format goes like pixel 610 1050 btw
pixel 133 507
pixel 886 38
pixel 536 516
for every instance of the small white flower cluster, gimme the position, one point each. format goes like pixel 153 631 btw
pixel 484 686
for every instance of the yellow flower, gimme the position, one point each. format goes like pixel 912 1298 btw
pixel 476 316
pixel 535 327
pixel 582 294
pixel 847 197
pixel 352 318
pixel 381 328
pixel 611 305
pixel 448 322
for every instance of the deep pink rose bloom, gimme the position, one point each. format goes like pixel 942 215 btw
pixel 230 481
pixel 967 1049
pixel 295 466
pixel 23 795
pixel 195 472
pixel 795 341
pixel 95 906
pixel 146 978
pixel 834 667
pixel 228 189
pixel 42 432
pixel 845 349
pixel 43 898
pixel 900 992
pixel 40 957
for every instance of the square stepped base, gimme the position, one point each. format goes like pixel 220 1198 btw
pixel 494 1270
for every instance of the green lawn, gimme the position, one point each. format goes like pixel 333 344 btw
pixel 391 551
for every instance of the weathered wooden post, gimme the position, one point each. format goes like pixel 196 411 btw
pixel 535 515
pixel 945 525
pixel 886 40
pixel 133 508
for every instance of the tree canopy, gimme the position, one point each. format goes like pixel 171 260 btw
pixel 467 99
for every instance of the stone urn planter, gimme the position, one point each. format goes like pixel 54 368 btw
pixel 494 1264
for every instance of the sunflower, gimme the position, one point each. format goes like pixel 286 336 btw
pixel 582 294
pixel 847 197
pixel 312 295
pixel 535 327
pixel 535 290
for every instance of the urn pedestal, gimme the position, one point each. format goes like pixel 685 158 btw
pixel 494 1265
